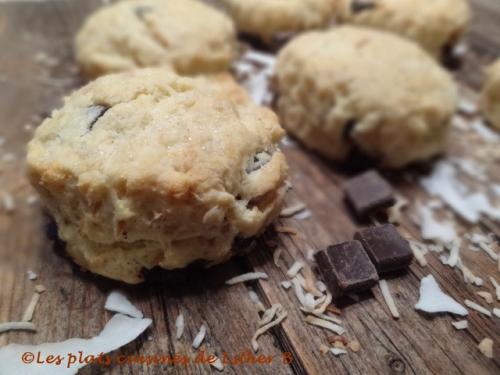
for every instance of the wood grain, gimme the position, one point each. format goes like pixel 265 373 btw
pixel 32 85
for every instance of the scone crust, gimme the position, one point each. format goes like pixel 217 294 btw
pixel 267 18
pixel 434 24
pixel 366 89
pixel 147 168
pixel 187 35
pixel 490 95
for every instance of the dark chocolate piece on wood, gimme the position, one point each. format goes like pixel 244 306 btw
pixel 346 268
pixel 368 193
pixel 361 5
pixel 387 249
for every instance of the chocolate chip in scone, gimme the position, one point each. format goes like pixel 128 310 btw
pixel 95 112
pixel 140 11
pixel 387 249
pixel 258 161
pixel 358 6
pixel 346 268
pixel 368 193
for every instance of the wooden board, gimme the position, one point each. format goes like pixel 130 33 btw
pixel 37 70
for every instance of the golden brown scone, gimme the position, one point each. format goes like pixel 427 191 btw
pixel 434 24
pixel 490 95
pixel 269 17
pixel 147 168
pixel 366 90
pixel 186 35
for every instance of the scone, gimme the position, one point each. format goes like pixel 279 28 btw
pixel 186 35
pixel 366 91
pixel 490 96
pixel 147 168
pixel 434 24
pixel 269 17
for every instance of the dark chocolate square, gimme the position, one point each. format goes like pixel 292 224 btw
pixel 368 193
pixel 346 268
pixel 387 249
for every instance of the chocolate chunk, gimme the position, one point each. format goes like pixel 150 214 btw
pixel 368 193
pixel 361 5
pixel 385 247
pixel 346 268
pixel 258 161
pixel 95 112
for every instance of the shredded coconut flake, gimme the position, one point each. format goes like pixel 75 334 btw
pixel 461 324
pixel 200 336
pixel 307 303
pixel 16 326
pixel 395 212
pixel 31 275
pixel 286 285
pixel 119 331
pixel 337 351
pixel 434 300
pixel 30 310
pixel 117 302
pixel 496 312
pixel 486 347
pixel 254 69
pixel 477 307
pixel 304 215
pixel 496 189
pixel 281 314
pixel 443 232
pixel 335 328
pixel 472 168
pixel 179 326
pixel 217 363
pixel 269 314
pixel 321 286
pixel 459 123
pixel 31 199
pixel 497 287
pixel 419 251
pixel 276 255
pixel 386 293
pixel 467 107
pixel 293 210
pixel 8 203
pixel 295 269
pixel 469 277
pixel 486 295
pixel 484 131
pixel 39 288
pixel 310 255
pixel 247 277
pixel 443 183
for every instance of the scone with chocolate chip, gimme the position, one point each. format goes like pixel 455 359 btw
pixel 437 25
pixel 270 17
pixel 147 168
pixel 490 95
pixel 186 35
pixel 352 90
